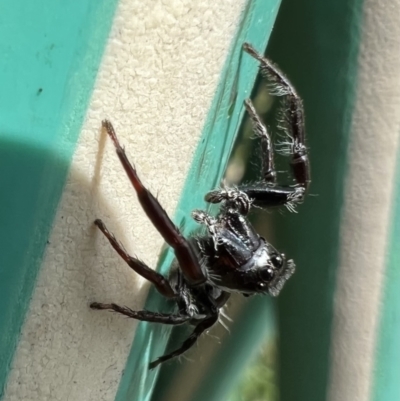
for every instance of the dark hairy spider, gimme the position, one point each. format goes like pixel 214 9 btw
pixel 231 256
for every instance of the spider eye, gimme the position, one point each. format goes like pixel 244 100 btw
pixel 277 260
pixel 267 274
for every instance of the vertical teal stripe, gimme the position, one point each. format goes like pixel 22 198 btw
pixel 386 384
pixel 208 167
pixel 50 51
pixel 316 43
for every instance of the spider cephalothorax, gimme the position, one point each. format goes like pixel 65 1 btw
pixel 235 257
pixel 230 256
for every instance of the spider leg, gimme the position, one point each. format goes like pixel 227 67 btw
pixel 232 197
pixel 185 255
pixel 268 167
pixel 159 281
pixel 293 114
pixel 189 342
pixel 143 315
pixel 266 193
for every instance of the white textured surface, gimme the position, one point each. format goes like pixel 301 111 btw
pixel 368 196
pixel 156 82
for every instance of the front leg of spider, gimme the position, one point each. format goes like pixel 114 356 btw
pixel 267 193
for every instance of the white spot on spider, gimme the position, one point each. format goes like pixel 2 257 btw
pixel 262 259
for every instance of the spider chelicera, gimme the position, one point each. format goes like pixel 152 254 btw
pixel 231 257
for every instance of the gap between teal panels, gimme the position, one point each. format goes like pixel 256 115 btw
pixel 51 51
pixel 208 167
pixel 386 386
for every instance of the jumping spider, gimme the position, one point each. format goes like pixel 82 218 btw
pixel 231 257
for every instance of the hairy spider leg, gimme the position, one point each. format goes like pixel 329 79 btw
pixel 159 281
pixel 143 315
pixel 294 115
pixel 232 197
pixel 189 342
pixel 266 193
pixel 185 255
pixel 268 166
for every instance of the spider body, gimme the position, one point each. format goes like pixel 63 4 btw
pixel 230 256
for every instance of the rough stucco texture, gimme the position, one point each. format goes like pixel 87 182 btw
pixel 156 83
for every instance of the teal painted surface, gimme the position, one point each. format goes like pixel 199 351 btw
pixel 208 167
pixel 316 44
pixel 386 385
pixel 50 50
pixel 256 325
